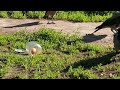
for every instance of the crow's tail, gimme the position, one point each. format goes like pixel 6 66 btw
pixel 97 28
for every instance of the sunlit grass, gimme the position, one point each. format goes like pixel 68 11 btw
pixel 63 56
pixel 76 16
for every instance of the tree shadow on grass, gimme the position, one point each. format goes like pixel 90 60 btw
pixel 88 63
pixel 24 25
pixel 92 37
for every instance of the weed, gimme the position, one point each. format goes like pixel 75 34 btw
pixel 3 14
pixel 76 16
pixel 63 56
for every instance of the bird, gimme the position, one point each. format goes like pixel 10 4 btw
pixel 49 15
pixel 116 41
pixel 112 22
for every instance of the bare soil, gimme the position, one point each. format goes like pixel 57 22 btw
pixel 102 37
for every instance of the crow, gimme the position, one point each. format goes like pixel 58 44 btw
pixel 113 23
pixel 49 15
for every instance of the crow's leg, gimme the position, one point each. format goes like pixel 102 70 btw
pixel 48 22
pixel 52 21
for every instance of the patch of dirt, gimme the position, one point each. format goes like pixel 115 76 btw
pixel 102 37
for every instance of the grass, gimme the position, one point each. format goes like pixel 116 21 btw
pixel 63 57
pixel 75 16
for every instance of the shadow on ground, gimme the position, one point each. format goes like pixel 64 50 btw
pixel 24 25
pixel 91 37
pixel 88 63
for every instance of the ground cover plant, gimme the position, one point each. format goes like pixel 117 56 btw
pixel 76 16
pixel 63 57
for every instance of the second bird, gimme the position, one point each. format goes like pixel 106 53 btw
pixel 49 15
pixel 113 23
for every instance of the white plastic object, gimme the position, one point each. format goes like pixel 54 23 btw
pixel 20 50
pixel 31 45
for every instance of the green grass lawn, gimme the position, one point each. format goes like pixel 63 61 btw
pixel 63 57
pixel 75 16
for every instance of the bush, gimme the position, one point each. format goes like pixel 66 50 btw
pixel 3 14
pixel 77 16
